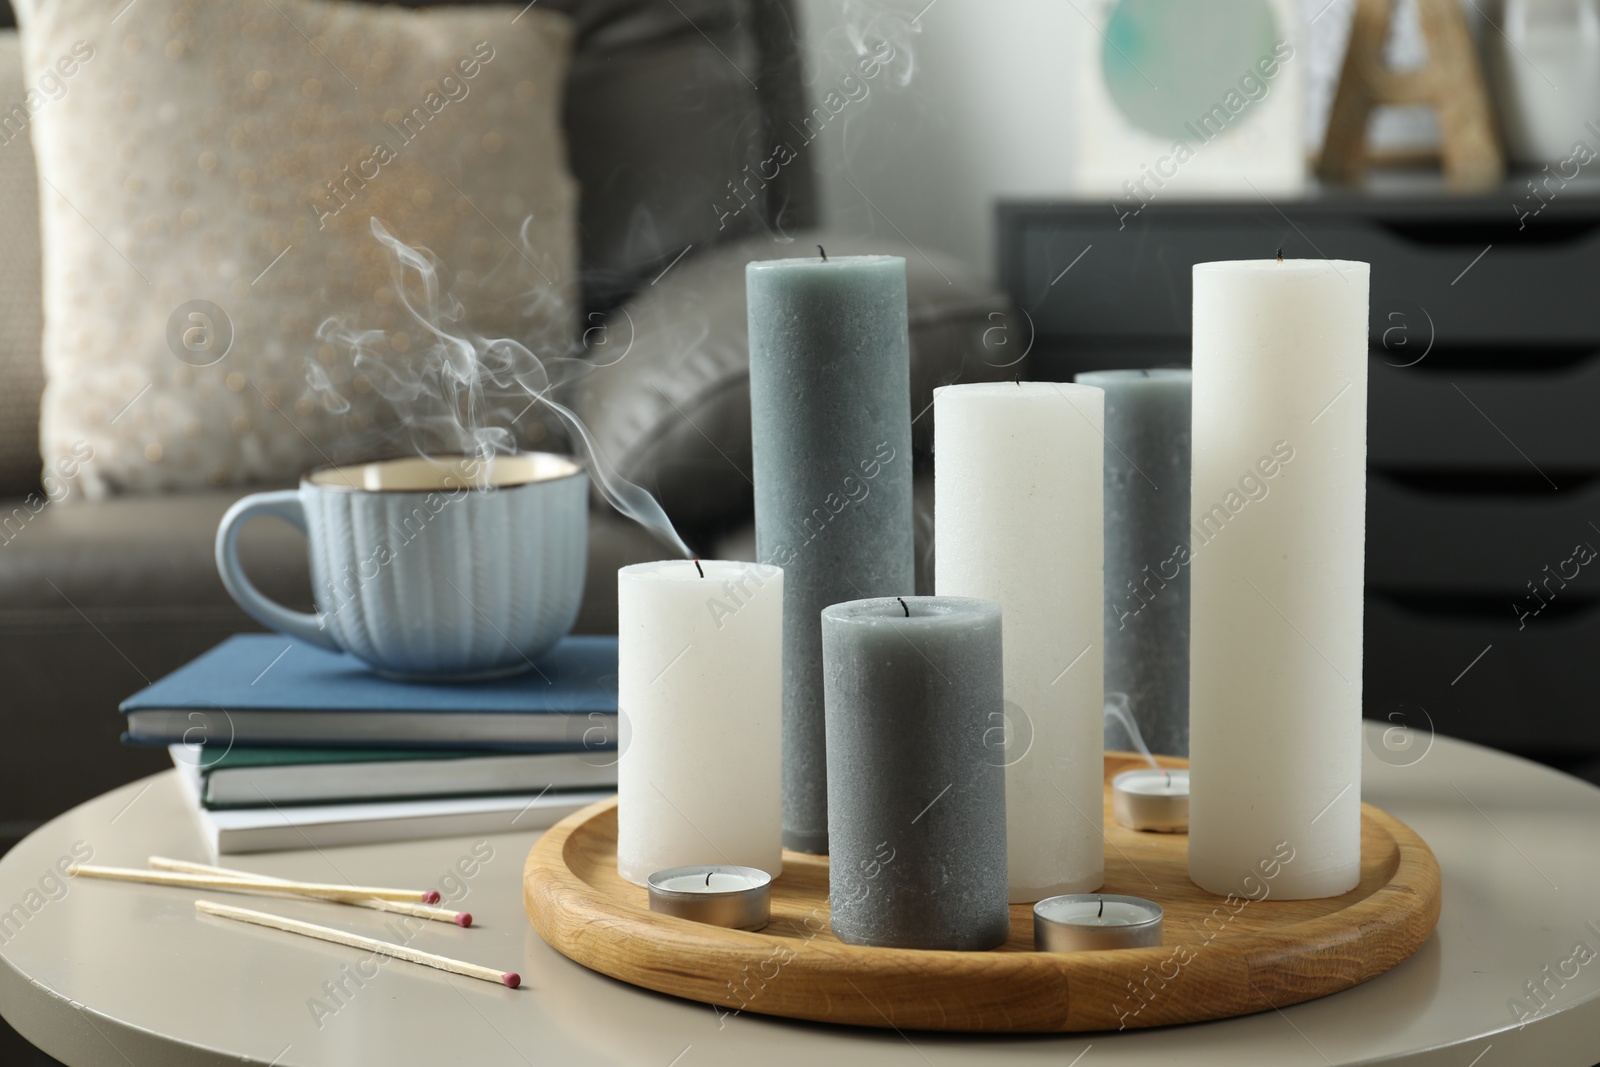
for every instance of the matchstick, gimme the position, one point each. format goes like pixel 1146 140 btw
pixel 342 893
pixel 421 911
pixel 339 937
pixel 167 863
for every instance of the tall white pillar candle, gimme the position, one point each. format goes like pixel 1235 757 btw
pixel 1017 519
pixel 1278 500
pixel 699 688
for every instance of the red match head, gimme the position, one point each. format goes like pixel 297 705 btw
pixel 512 979
pixel 463 918
pixel 431 897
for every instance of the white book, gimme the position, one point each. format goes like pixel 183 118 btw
pixel 276 829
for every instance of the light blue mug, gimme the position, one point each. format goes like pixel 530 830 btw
pixel 430 567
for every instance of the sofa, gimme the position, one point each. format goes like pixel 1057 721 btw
pixel 668 102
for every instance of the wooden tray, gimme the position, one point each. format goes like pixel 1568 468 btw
pixel 1266 954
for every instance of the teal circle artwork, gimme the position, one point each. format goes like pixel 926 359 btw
pixel 1169 62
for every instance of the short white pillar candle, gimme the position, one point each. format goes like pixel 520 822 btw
pixel 699 689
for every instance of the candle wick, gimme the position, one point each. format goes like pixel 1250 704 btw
pixel 903 605
pixel 1167 778
pixel 708 879
pixel 1280 255
pixel 825 255
pixel 701 569
pixel 1101 913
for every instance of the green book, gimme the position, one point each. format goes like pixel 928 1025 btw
pixel 253 777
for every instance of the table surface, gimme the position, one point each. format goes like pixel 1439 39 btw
pixel 99 973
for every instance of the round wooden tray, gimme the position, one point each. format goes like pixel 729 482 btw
pixel 1217 959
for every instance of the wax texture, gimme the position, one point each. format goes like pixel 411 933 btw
pixel 1018 483
pixel 916 803
pixel 1278 537
pixel 1146 534
pixel 698 693
pixel 830 412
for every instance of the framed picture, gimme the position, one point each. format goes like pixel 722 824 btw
pixel 1178 99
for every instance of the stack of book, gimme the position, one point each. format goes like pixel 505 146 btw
pixel 283 745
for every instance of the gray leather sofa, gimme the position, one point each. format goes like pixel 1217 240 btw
pixel 668 101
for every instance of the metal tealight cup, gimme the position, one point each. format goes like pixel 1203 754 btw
pixel 739 898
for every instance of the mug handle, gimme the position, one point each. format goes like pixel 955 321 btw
pixel 286 505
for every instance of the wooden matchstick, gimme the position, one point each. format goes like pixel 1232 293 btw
pixel 167 863
pixel 339 937
pixel 342 893
pixel 421 911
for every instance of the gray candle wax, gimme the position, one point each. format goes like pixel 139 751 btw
pixel 916 800
pixel 830 415
pixel 1147 552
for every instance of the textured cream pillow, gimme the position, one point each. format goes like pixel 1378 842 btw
pixel 236 153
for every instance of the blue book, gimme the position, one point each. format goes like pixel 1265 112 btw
pixel 267 689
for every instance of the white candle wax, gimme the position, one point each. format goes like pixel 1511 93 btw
pixel 1018 491
pixel 699 691
pixel 1081 911
pixel 1150 799
pixel 712 881
pixel 1278 532
pixel 1153 783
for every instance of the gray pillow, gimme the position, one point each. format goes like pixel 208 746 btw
pixel 669 398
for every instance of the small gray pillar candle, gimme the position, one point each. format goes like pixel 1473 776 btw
pixel 916 799
pixel 1147 552
pixel 830 416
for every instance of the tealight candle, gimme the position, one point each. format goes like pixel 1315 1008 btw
pixel 1091 922
pixel 1152 799
pixel 735 897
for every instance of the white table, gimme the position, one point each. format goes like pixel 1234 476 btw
pixel 115 974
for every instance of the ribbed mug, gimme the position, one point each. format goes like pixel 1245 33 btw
pixel 429 567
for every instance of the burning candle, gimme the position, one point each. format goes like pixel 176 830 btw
pixel 830 415
pixel 1090 922
pixel 739 898
pixel 698 646
pixel 1152 799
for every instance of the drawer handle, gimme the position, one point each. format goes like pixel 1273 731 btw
pixel 1475 233
pixel 1488 610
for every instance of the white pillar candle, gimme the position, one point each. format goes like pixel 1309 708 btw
pixel 1279 507
pixel 699 688
pixel 1017 494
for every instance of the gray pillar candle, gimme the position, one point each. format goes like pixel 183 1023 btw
pixel 830 415
pixel 1147 552
pixel 916 800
